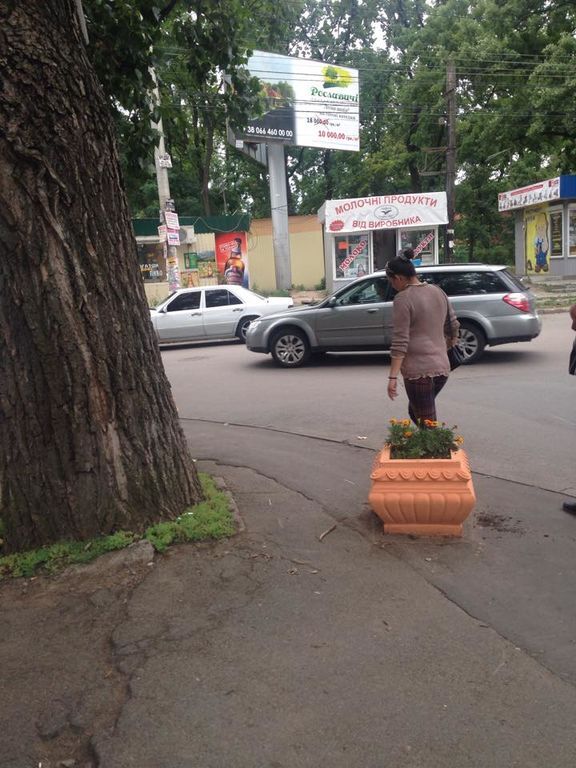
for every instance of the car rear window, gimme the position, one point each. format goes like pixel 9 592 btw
pixel 514 280
pixel 466 283
pixel 221 297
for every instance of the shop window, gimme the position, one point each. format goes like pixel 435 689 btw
pixel 556 233
pixel 422 241
pixel 572 232
pixel 351 255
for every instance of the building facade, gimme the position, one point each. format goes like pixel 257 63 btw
pixel 220 249
pixel 544 226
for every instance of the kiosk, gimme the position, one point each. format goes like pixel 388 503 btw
pixel 544 226
pixel 362 234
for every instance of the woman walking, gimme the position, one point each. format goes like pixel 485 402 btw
pixel 424 326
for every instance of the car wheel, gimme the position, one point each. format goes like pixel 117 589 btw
pixel 471 340
pixel 242 328
pixel 290 348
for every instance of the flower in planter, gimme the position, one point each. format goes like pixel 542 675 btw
pixel 429 440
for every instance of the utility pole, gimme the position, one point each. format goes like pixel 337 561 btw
pixel 279 203
pixel 450 159
pixel 168 217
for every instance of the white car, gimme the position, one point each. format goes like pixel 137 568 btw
pixel 211 312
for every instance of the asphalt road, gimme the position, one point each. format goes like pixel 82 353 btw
pixel 516 408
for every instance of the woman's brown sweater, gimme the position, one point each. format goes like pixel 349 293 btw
pixel 419 317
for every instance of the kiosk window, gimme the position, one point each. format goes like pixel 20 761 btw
pixel 556 234
pixel 572 232
pixel 351 256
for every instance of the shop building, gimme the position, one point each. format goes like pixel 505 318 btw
pixel 544 226
pixel 362 234
pixel 208 242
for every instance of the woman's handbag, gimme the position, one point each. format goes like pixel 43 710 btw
pixel 455 356
pixel 572 364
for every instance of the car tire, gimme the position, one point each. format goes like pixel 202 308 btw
pixel 471 340
pixel 290 348
pixel 242 328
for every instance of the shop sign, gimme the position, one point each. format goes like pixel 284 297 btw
pixel 533 194
pixel 386 212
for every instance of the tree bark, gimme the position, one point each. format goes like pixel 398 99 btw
pixel 89 435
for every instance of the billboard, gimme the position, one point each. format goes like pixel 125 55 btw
pixel 304 103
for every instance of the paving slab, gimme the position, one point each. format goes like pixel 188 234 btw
pixel 283 650
pixel 308 639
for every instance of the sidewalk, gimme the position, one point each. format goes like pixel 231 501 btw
pixel 307 640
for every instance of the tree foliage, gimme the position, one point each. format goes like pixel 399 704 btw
pixel 515 63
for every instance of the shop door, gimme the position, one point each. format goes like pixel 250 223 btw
pixel 383 247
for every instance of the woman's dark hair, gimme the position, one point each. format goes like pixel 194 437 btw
pixel 408 253
pixel 400 266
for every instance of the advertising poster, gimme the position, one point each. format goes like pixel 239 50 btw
pixel 304 103
pixel 572 233
pixel 232 258
pixel 537 241
pixel 556 234
pixel 207 269
pixel 152 262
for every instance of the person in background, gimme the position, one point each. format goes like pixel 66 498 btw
pixel 570 506
pixel 421 316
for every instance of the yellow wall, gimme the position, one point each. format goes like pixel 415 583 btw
pixel 306 252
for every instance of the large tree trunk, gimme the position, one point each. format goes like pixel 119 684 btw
pixel 89 435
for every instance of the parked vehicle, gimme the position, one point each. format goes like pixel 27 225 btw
pixel 211 312
pixel 492 305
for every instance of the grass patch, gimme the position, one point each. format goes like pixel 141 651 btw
pixel 211 519
pixel 558 302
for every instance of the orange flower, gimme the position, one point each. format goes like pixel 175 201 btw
pixel 458 439
pixel 407 434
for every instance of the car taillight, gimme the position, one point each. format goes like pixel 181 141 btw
pixel 518 300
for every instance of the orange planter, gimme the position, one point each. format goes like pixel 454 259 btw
pixel 423 497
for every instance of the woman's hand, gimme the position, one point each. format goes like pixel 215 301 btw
pixel 392 388
pixel 452 342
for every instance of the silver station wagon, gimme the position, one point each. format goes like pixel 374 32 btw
pixel 492 305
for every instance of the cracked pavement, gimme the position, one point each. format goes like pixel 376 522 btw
pixel 309 639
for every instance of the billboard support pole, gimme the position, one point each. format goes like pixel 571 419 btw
pixel 279 206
